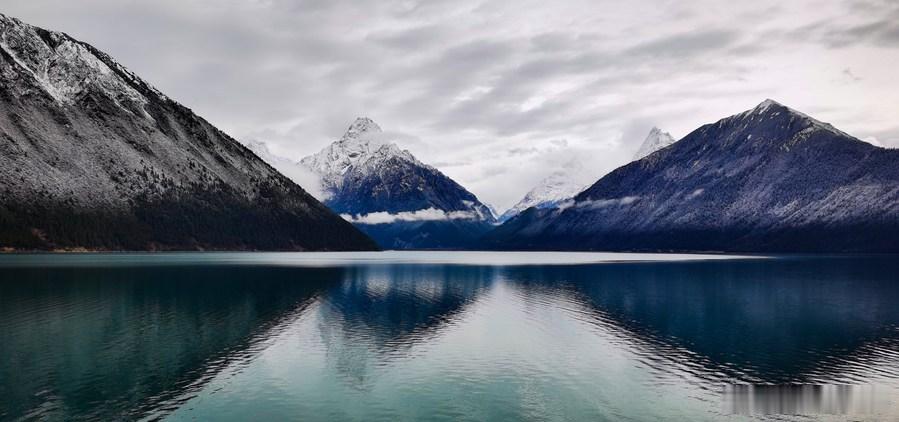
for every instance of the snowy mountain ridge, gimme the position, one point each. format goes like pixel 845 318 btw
pixel 358 145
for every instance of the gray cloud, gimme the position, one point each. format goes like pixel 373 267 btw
pixel 414 39
pixel 523 151
pixel 877 24
pixel 883 33
pixel 686 44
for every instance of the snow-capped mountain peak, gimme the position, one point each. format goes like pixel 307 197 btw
pixel 398 200
pixel 655 141
pixel 562 184
pixel 767 179
pixel 360 147
pixel 770 108
pixel 360 127
pixel 765 105
pixel 356 144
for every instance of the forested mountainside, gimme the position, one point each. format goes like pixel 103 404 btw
pixel 92 157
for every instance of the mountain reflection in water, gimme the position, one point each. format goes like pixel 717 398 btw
pixel 441 341
pixel 101 343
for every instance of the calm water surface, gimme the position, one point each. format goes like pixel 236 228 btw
pixel 440 336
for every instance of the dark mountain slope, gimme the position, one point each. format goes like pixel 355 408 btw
pixel 93 157
pixel 767 180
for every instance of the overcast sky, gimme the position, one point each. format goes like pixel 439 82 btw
pixel 497 94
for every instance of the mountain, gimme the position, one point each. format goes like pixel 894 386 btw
pixel 399 201
pixel 356 144
pixel 92 157
pixel 770 179
pixel 655 141
pixel 559 186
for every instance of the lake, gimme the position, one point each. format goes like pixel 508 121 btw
pixel 447 336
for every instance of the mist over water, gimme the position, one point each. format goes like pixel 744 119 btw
pixel 250 336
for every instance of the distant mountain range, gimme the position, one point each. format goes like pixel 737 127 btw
pixel 389 194
pixel 770 179
pixel 92 157
pixel 559 186
pixel 574 177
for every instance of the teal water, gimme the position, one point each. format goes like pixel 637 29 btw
pixel 438 336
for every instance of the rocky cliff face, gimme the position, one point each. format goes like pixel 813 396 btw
pixel 93 157
pixel 770 179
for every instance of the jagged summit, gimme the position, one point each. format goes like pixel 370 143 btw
pixel 655 140
pixel 356 146
pixel 768 106
pixel 768 103
pixel 363 173
pixel 771 109
pixel 360 127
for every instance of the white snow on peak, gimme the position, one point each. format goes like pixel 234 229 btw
pixel 362 146
pixel 655 141
pixel 559 186
pixel 766 105
pixel 360 127
pixel 382 153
